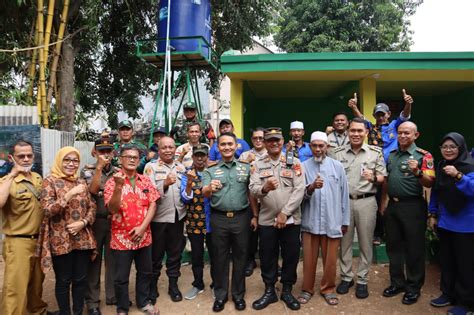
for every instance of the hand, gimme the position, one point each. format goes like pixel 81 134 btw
pixel 250 158
pixel 77 190
pixel 382 211
pixel 413 165
pixel 368 174
pixel 15 170
pixel 318 182
pixel 254 223
pixel 329 129
pixel 191 176
pixel 186 149
pixel 216 185
pixel 102 161
pixel 136 234
pixel 170 179
pixel 75 227
pixel 280 221
pixel 344 229
pixel 450 170
pixel 119 178
pixel 407 98
pixel 150 155
pixel 432 223
pixel 270 184
pixel 353 102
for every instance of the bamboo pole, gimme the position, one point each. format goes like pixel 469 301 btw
pixel 47 31
pixel 42 74
pixel 57 53
pixel 32 67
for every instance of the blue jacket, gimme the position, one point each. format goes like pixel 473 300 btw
pixel 304 152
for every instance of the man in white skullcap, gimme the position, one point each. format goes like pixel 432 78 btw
pixel 325 217
pixel 301 149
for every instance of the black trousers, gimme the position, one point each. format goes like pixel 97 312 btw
pixel 457 266
pixel 167 238
pixel 229 234
pixel 379 227
pixel 71 275
pixel 274 241
pixel 253 242
pixel 405 225
pixel 197 257
pixel 123 264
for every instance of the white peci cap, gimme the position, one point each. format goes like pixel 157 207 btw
pixel 319 135
pixel 296 125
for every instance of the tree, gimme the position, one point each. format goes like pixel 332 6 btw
pixel 346 25
pixel 98 70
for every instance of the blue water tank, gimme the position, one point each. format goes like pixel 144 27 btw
pixel 187 18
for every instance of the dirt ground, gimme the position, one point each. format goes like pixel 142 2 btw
pixel 349 304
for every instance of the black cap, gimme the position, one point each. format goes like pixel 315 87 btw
pixel 103 144
pixel 225 122
pixel 160 130
pixel 200 148
pixel 381 107
pixel 126 124
pixel 273 133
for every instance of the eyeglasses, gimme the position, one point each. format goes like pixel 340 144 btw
pixel 23 156
pixel 69 161
pixel 449 147
pixel 130 157
pixel 257 138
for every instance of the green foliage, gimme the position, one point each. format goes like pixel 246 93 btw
pixel 346 25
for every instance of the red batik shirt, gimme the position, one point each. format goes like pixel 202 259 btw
pixel 133 209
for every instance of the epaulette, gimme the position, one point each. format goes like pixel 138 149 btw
pixel 339 149
pixel 422 151
pixel 244 162
pixel 211 163
pixel 375 148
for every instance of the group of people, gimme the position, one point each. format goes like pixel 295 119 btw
pixel 140 206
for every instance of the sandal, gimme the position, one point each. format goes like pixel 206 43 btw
pixel 304 297
pixel 331 298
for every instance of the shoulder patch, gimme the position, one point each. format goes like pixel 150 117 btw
pixel 211 163
pixel 421 151
pixel 244 162
pixel 339 149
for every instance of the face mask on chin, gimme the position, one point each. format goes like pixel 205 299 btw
pixel 23 169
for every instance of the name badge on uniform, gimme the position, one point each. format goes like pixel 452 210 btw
pixel 286 173
pixel 265 174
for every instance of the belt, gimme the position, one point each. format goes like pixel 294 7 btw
pixel 355 197
pixel 33 237
pixel 402 199
pixel 229 214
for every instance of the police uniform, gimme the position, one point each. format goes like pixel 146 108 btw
pixel 286 199
pixel 229 223
pixel 363 206
pixel 336 140
pixel 22 217
pixel 405 218
pixel 167 225
pixel 102 235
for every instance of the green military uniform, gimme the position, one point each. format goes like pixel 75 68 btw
pixel 230 225
pixel 363 206
pixel 405 218
pixel 22 217
pixel 180 133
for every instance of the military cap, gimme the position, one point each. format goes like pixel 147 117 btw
pixel 381 107
pixel 273 133
pixel 125 123
pixel 225 122
pixel 189 105
pixel 103 144
pixel 160 130
pixel 200 148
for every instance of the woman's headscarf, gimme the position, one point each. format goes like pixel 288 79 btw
pixel 452 198
pixel 57 169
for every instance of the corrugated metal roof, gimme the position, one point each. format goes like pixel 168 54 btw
pixel 14 115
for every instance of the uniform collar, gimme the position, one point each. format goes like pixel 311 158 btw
pixel 365 147
pixel 21 177
pixel 411 149
pixel 227 164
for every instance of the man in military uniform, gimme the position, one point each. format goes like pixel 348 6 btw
pixel 168 223
pixel 96 176
pixel 126 133
pixel 226 184
pixel 226 126
pixel 365 170
pixel 184 153
pixel 337 133
pixel 158 133
pixel 301 148
pixel 409 170
pixel 179 133
pixel 22 217
pixel 280 188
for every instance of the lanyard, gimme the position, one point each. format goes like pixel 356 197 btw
pixel 337 141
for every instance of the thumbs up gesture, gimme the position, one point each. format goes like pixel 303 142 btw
pixel 353 102
pixel 407 98
pixel 318 182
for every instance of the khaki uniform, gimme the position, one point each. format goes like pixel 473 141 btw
pixel 336 140
pixel 252 155
pixel 23 278
pixel 363 206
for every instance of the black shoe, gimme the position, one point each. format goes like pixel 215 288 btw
pixel 94 311
pixel 290 300
pixel 240 304
pixel 392 291
pixel 267 298
pixel 173 290
pixel 250 267
pixel 218 305
pixel 344 286
pixel 410 298
pixel 361 291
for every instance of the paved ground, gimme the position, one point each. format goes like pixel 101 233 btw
pixel 349 304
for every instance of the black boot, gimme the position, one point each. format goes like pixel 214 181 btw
pixel 267 298
pixel 289 299
pixel 173 290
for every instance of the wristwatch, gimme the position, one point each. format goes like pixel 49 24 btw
pixel 458 176
pixel 419 174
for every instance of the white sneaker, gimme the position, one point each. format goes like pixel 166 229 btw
pixel 192 293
